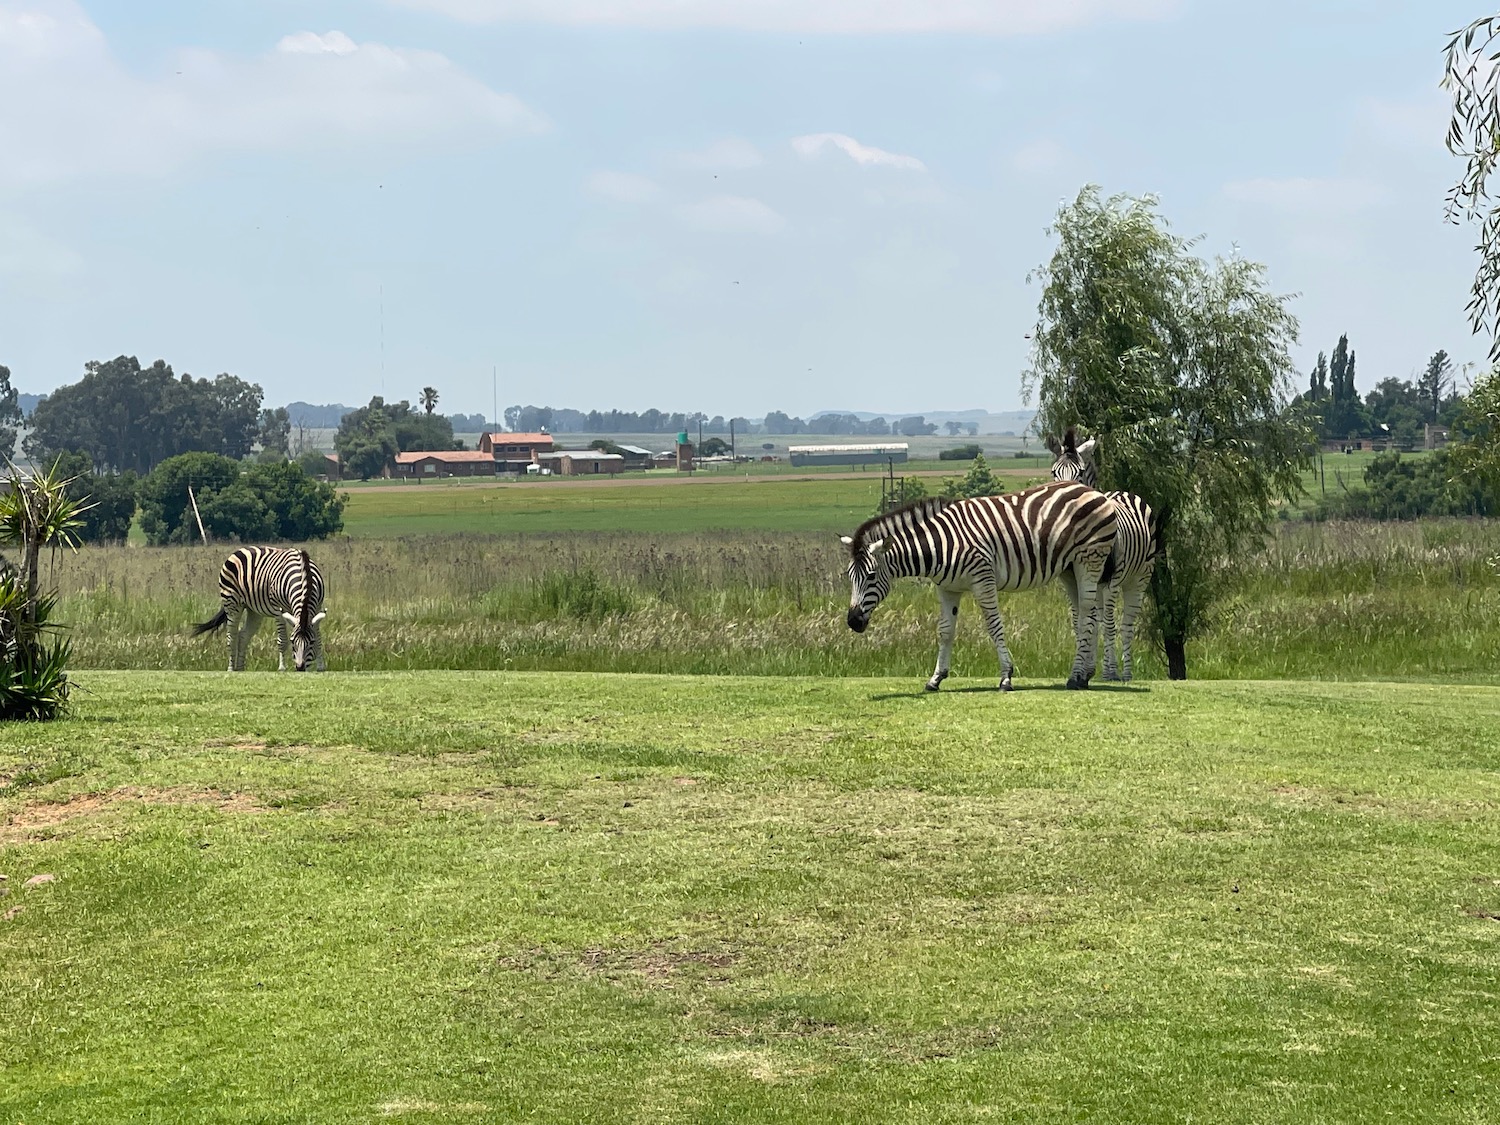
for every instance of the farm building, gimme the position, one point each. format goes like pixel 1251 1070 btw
pixel 635 456
pixel 432 464
pixel 581 462
pixel 849 454
pixel 513 452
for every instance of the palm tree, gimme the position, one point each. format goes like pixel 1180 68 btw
pixel 428 399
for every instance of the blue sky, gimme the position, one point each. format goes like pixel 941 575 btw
pixel 722 205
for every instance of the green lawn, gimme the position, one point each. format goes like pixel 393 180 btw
pixel 710 501
pixel 536 505
pixel 566 897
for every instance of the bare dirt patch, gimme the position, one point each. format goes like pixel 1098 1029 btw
pixel 41 816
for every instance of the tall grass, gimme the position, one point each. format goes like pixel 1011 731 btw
pixel 1325 600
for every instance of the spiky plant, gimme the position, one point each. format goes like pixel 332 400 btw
pixel 35 512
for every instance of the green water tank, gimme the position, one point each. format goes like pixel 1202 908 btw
pixel 682 438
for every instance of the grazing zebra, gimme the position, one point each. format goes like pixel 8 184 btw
pixel 1135 547
pixel 260 582
pixel 984 545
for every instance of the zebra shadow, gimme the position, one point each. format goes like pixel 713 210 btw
pixel 1112 688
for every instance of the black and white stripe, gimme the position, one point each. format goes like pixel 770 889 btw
pixel 1136 544
pixel 260 582
pixel 985 545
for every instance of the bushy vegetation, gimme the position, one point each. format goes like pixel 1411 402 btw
pixel 36 513
pixel 267 501
pixel 106 501
pixel 960 453
pixel 1408 488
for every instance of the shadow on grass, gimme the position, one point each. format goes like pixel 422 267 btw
pixel 923 693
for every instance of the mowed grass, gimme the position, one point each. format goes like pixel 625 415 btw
pixel 701 504
pixel 557 897
pixel 717 500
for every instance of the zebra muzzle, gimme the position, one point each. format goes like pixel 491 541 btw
pixel 858 621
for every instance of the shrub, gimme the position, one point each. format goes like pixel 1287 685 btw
pixel 34 513
pixel 978 481
pixel 106 500
pixel 1408 488
pixel 268 502
pixel 960 453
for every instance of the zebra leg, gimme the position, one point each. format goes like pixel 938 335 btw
pixel 317 649
pixel 1134 595
pixel 232 637
pixel 1108 597
pixel 1070 585
pixel 989 605
pixel 1087 578
pixel 252 623
pixel 281 644
pixel 947 627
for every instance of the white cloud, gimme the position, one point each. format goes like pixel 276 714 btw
pixel 811 145
pixel 1302 195
pixel 1039 157
pixel 833 17
pixel 732 214
pixel 622 187
pixel 69 109
pixel 731 153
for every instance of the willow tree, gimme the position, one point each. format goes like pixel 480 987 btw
pixel 1181 368
pixel 1471 75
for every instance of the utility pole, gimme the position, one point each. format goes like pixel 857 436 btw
pixel 731 439
pixel 495 396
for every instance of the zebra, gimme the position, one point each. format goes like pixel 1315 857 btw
pixel 261 582
pixel 984 545
pixel 1136 545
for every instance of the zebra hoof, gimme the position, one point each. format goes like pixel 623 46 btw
pixel 1076 683
pixel 931 685
pixel 1005 685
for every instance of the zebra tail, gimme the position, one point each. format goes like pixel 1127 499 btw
pixel 213 624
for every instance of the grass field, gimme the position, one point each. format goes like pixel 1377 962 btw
pixel 1335 601
pixel 831 501
pixel 527 897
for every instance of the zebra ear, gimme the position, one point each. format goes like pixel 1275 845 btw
pixel 291 619
pixel 1087 448
pixel 876 547
pixel 1070 439
pixel 318 616
pixel 846 541
pixel 1052 444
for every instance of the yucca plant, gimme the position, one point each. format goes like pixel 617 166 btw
pixel 35 512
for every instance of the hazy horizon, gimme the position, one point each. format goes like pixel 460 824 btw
pixel 714 205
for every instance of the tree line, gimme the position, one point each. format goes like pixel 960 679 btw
pixel 535 419
pixel 1395 408
pixel 127 440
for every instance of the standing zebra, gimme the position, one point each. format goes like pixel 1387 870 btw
pixel 260 582
pixel 1135 547
pixel 984 545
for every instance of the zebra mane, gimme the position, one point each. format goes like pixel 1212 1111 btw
pixel 304 622
pixel 906 516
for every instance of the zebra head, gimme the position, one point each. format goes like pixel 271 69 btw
pixel 302 638
pixel 1074 461
pixel 869 577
